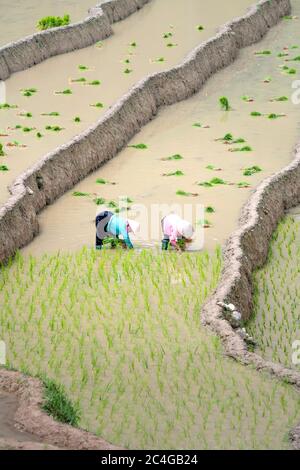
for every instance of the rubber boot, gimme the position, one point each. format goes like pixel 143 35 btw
pixel 165 244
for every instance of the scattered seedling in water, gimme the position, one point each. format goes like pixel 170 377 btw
pixel 67 91
pixel 275 116
pixel 282 54
pixel 99 201
pixel 200 27
pixel 8 106
pixel 15 143
pixel 205 223
pixel 247 99
pixel 53 113
pixel 97 105
pixel 83 67
pixel 229 139
pixel 280 98
pixel 245 148
pixel 158 60
pixel 296 59
pixel 167 35
pixel 174 173
pixel 4 168
pixel 267 79
pixel 28 129
pixel 133 44
pixel 213 168
pixel 77 119
pixel 94 83
pixel 212 182
pixel 26 115
pixel 252 170
pixel 177 156
pixel 224 103
pixel 202 126
pixel 103 181
pixel 255 114
pixel 290 17
pixel 138 146
pixel 39 135
pixel 54 128
pixel 99 44
pixel 28 91
pixel 80 194
pixel 171 44
pixel 262 53
pixel 2 154
pixel 127 71
pixel 53 22
pixel 209 210
pixel 180 192
pixel 78 80
pixel 243 184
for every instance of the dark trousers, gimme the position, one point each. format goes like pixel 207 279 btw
pixel 102 221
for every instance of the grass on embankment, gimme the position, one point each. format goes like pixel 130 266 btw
pixel 275 323
pixel 121 332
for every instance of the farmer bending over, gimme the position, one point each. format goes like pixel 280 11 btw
pixel 109 225
pixel 177 232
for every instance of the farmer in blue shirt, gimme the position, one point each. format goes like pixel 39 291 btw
pixel 111 225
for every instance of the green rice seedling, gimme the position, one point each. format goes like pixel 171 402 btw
pixel 282 54
pixel 97 105
pixel 200 27
pixel 83 67
pixel 224 103
pixel 99 201
pixel 39 135
pixel 255 114
pixel 80 194
pixel 127 71
pixel 210 209
pixel 213 182
pixel 15 143
pixel 290 17
pixel 58 405
pixel 202 126
pixel 27 115
pixel 53 113
pixel 2 154
pixel 159 60
pixel 265 52
pixel 7 106
pixel 243 184
pixel 205 223
pixel 138 146
pixel 133 44
pixel 94 82
pixel 267 79
pixel 227 138
pixel 54 128
pixel 180 192
pixel 67 91
pixel 213 168
pixel 28 129
pixel 297 58
pixel 99 44
pixel 49 22
pixel 78 80
pixel 4 168
pixel 177 156
pixel 103 181
pixel 77 119
pixel 292 71
pixel 174 173
pixel 280 98
pixel 247 98
pixel 28 91
pixel 126 199
pixel 252 170
pixel 245 148
pixel 167 35
pixel 171 44
pixel 275 116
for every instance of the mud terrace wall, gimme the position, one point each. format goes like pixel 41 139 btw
pixel 29 417
pixel 34 49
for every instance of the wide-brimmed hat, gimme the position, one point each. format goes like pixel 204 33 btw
pixel 134 225
pixel 185 228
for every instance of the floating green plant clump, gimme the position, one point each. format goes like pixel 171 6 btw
pixel 67 91
pixel 4 168
pixel 28 91
pixel 2 154
pixel 77 119
pixel 127 70
pixel 200 27
pixel 97 105
pixel 209 209
pixel 54 128
pixel 255 114
pixel 53 22
pixel 103 181
pixel 243 185
pixel 280 98
pixel 212 182
pixel 245 148
pixel 7 106
pixel 265 52
pixel 80 194
pixel 177 156
pixel 275 320
pixel 78 80
pixel 180 192
pixel 53 113
pixel 94 82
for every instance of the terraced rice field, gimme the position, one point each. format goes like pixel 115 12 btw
pixel 276 321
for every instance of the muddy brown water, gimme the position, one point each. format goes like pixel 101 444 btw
pixel 19 18
pixel 68 223
pixel 146 28
pixel 8 407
